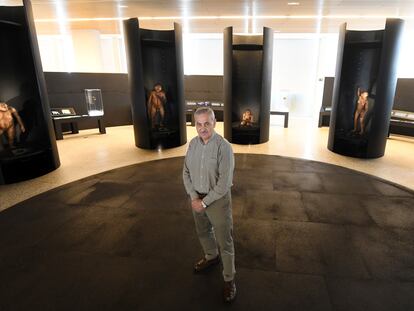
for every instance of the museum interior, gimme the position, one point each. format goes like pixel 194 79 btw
pixel 97 111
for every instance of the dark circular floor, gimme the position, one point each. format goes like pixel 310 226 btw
pixel 309 236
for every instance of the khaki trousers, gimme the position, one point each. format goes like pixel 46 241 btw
pixel 214 228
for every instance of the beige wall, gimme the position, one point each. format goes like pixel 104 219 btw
pixel 87 51
pixel 82 51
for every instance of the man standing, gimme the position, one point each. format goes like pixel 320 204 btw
pixel 208 175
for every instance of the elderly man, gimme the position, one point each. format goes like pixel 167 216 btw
pixel 208 175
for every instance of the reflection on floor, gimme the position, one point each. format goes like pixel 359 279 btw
pixel 309 236
pixel 89 153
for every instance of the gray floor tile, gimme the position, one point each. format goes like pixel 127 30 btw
pixel 391 190
pixel 252 180
pixel 320 249
pixel 357 295
pixel 391 211
pixel 95 230
pixel 24 226
pixel 274 205
pixel 238 196
pixel 106 193
pixel 319 167
pixel 263 290
pixel 348 184
pixel 71 191
pixel 388 253
pixel 256 162
pixel 255 244
pixel 167 197
pixel 336 208
pixel 283 181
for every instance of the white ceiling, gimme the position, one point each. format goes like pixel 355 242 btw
pixel 212 16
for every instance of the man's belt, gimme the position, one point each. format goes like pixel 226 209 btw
pixel 201 195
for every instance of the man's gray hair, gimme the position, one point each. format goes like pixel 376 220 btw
pixel 203 110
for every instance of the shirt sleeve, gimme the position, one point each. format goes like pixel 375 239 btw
pixel 187 177
pixel 225 174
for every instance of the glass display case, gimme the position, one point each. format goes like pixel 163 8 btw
pixel 156 83
pixel 94 102
pixel 27 144
pixel 363 90
pixel 247 84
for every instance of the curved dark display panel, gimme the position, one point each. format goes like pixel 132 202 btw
pixel 247 86
pixel 364 88
pixel 27 141
pixel 156 80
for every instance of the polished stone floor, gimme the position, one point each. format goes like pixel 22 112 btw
pixel 309 236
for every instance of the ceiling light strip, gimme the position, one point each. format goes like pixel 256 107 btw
pixel 224 17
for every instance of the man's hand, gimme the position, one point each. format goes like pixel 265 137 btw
pixel 197 206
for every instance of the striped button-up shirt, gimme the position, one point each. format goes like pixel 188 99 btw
pixel 208 168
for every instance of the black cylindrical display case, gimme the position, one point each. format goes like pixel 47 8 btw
pixel 27 141
pixel 156 80
pixel 247 86
pixel 364 88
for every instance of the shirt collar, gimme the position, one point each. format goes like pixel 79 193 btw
pixel 213 136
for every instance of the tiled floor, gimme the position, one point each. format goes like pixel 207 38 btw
pixel 308 236
pixel 89 153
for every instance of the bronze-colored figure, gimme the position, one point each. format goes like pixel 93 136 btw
pixel 247 118
pixel 156 102
pixel 361 110
pixel 7 122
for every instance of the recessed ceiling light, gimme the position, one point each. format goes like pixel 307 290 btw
pixel 293 3
pixel 122 6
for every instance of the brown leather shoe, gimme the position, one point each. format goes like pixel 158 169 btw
pixel 203 264
pixel 229 292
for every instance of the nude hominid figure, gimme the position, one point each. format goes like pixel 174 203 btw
pixel 7 122
pixel 247 118
pixel 361 110
pixel 156 102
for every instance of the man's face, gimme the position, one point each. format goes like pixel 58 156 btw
pixel 3 107
pixel 205 125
